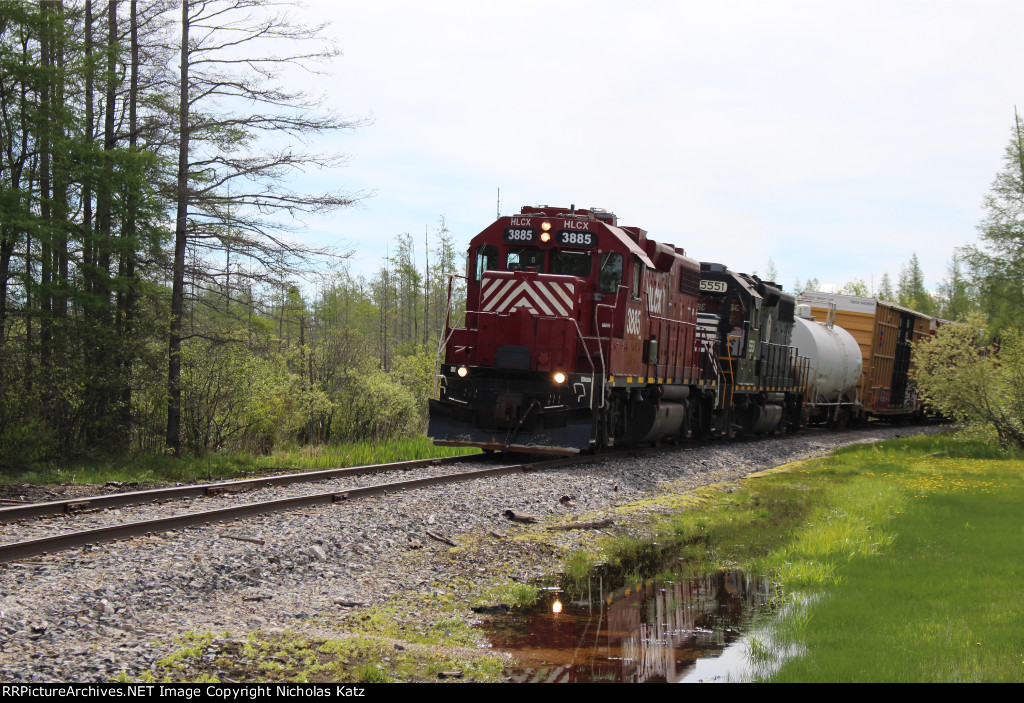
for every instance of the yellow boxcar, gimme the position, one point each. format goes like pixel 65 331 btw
pixel 885 332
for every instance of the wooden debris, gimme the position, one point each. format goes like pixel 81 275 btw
pixel 500 608
pixel 348 603
pixel 511 515
pixel 252 540
pixel 592 525
pixel 441 538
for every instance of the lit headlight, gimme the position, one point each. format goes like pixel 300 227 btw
pixel 545 237
pixel 559 377
pixel 463 372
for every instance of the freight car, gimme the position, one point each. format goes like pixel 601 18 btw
pixel 884 333
pixel 834 368
pixel 581 334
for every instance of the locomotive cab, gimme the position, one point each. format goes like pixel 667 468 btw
pixel 524 371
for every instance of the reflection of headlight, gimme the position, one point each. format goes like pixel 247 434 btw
pixel 559 377
pixel 463 372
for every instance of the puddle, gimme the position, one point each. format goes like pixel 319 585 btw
pixel 659 630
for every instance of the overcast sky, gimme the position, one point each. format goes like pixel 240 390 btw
pixel 837 138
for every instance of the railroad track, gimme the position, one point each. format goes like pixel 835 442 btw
pixel 73 506
pixel 66 541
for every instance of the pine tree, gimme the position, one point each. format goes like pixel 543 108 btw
pixel 998 265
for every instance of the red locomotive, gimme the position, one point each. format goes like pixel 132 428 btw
pixel 579 333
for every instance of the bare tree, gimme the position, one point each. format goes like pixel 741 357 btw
pixel 240 135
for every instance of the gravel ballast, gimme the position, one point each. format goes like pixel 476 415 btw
pixel 88 615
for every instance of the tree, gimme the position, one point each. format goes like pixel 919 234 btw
pixel 231 191
pixel 910 290
pixel 73 175
pixel 998 265
pixel 856 287
pixel 885 291
pixel 974 384
pixel 957 296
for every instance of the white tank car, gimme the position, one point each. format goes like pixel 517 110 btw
pixel 834 370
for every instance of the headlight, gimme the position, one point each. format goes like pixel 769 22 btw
pixel 559 377
pixel 463 372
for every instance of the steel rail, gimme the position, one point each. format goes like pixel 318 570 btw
pixel 27 511
pixel 47 545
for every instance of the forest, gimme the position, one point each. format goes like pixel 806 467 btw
pixel 154 296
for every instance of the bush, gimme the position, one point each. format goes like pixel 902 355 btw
pixel 373 406
pixel 973 383
pixel 235 399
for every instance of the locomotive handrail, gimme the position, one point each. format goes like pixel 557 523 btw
pixel 600 341
pixel 709 345
pixel 442 340
pixel 593 371
pixel 597 328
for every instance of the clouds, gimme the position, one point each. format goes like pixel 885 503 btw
pixel 739 130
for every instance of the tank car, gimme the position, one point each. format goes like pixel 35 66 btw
pixel 834 368
pixel 579 333
pixel 763 379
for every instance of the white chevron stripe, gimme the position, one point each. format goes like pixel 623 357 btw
pixel 566 294
pixel 500 295
pixel 495 294
pixel 549 294
pixel 526 294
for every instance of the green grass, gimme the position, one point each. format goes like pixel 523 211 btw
pixel 939 600
pixel 169 469
pixel 900 561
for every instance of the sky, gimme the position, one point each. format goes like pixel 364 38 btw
pixel 835 139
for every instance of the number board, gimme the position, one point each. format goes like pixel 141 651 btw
pixel 713 286
pixel 521 235
pixel 569 238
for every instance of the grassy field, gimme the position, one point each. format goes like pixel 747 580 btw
pixel 901 561
pixel 169 469
pixel 936 593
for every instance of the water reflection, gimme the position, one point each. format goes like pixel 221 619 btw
pixel 652 631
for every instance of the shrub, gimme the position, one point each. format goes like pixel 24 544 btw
pixel 972 383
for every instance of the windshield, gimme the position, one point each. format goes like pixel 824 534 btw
pixel 571 263
pixel 523 258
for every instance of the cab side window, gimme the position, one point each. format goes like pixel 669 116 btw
pixel 486 260
pixel 609 277
pixel 638 269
